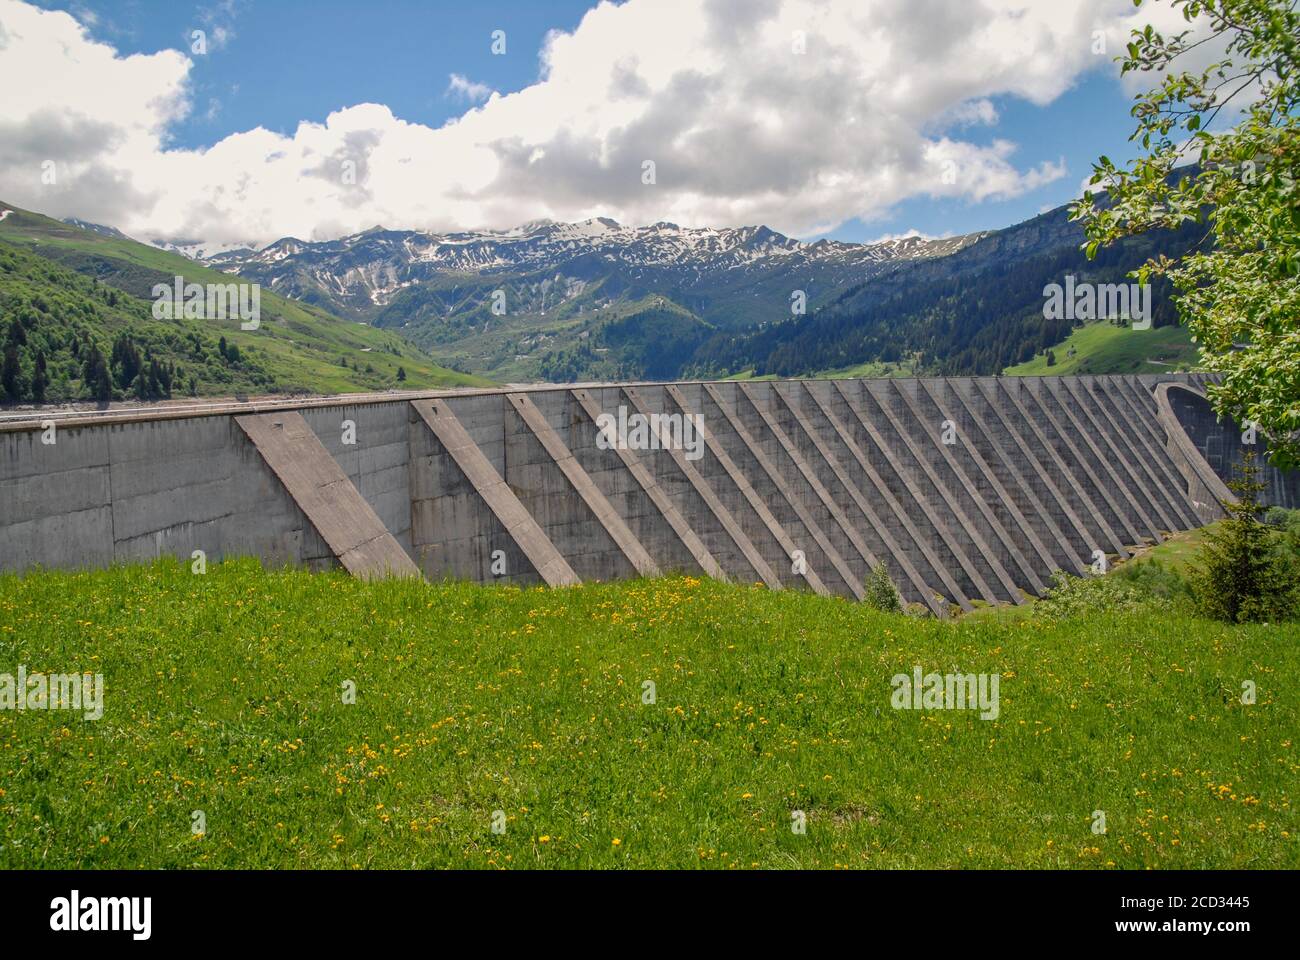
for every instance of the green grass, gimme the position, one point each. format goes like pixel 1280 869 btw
pixel 570 341
pixel 298 345
pixel 1176 553
pixel 1101 348
pixel 223 695
pixel 1098 348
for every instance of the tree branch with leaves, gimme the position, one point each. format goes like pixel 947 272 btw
pixel 1239 293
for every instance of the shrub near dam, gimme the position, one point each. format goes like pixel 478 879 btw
pixel 259 718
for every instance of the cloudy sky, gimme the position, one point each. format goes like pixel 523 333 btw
pixel 854 119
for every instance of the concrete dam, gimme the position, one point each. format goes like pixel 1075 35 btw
pixel 967 489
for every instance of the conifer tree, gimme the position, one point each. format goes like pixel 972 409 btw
pixel 1241 575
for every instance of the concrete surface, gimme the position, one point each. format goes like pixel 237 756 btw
pixel 965 488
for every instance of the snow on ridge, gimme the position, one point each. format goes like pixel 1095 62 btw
pixel 384 262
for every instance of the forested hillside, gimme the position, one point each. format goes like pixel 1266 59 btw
pixel 983 313
pixel 69 337
pixel 76 323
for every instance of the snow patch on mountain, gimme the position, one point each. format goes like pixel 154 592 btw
pixel 200 250
pixel 367 270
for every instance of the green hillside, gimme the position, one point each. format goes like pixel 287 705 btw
pixel 532 709
pixel 600 334
pixel 73 301
pixel 1102 347
pixel 642 339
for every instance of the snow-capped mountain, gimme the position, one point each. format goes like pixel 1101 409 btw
pixel 364 273
pixel 201 250
pixel 99 228
pixel 500 301
pixel 598 300
pixel 191 249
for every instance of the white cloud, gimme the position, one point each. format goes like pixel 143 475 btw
pixel 970 113
pixel 1087 186
pixel 219 18
pixel 741 128
pixel 908 235
pixel 465 89
pixel 86 15
pixel 98 118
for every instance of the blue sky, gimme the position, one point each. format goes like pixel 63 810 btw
pixel 1096 107
pixel 289 61
pixel 292 60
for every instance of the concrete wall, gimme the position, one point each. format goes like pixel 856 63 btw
pixel 968 489
pixel 1221 445
pixel 379 462
pixel 119 492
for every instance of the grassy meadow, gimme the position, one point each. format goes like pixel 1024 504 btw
pixel 224 693
pixel 1102 348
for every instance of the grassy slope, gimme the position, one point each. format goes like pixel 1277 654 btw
pixel 70 309
pixel 298 344
pixel 1099 348
pixel 223 695
pixel 529 345
pixel 505 348
pixel 1103 348
pixel 1175 553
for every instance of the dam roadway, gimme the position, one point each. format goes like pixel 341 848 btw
pixel 967 489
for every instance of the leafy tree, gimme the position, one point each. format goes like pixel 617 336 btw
pixel 125 361
pixel 94 374
pixel 1239 296
pixel 102 387
pixel 11 374
pixel 401 373
pixel 40 378
pixel 1070 597
pixel 1242 575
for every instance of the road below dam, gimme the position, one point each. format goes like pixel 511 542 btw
pixel 967 489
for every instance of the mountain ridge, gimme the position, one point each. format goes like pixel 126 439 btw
pixel 67 291
pixel 593 299
pixel 413 255
pixel 511 303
